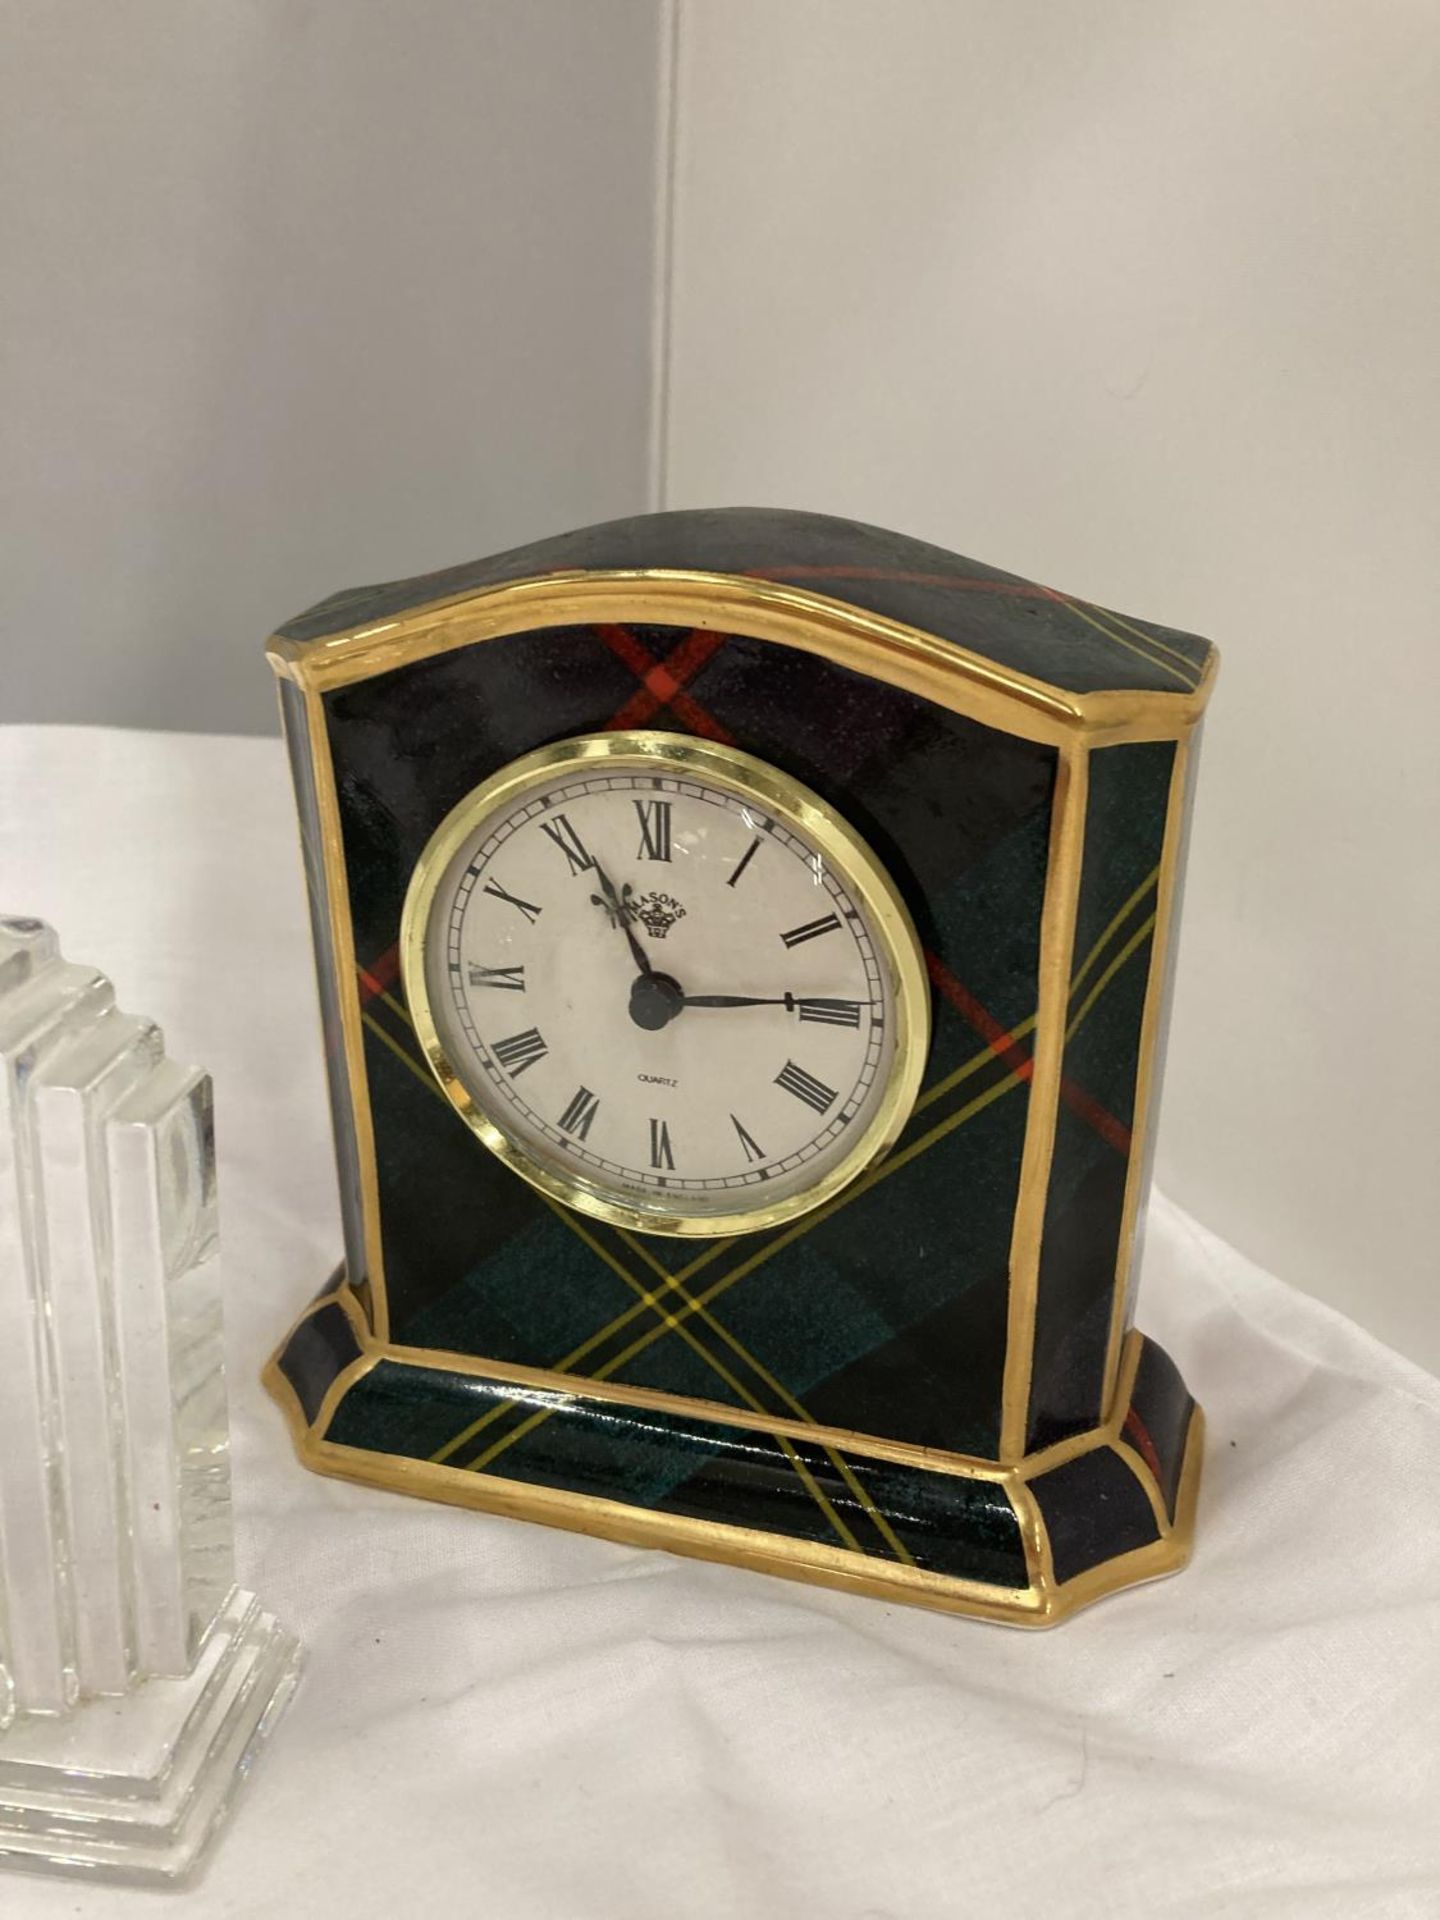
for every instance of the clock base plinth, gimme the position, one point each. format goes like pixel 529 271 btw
pixel 1022 1544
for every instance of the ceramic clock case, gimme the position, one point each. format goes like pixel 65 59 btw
pixel 928 1389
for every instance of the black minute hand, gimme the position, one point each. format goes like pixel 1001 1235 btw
pixel 791 1001
pixel 734 1000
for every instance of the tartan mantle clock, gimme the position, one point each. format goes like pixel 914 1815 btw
pixel 742 941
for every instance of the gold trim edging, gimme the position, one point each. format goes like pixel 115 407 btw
pixel 867 643
pixel 342 942
pixel 936 670
pixel 1144 1114
pixel 1057 954
pixel 1044 1603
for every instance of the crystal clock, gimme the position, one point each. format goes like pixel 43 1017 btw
pixel 744 943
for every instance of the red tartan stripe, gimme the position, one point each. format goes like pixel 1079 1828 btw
pixel 623 644
pixel 383 972
pixel 662 681
pixel 1144 1445
pixel 379 975
pixel 635 712
pixel 643 708
pixel 1011 589
pixel 699 720
pixel 1113 1132
pixel 999 1039
pixel 662 677
pixel 662 685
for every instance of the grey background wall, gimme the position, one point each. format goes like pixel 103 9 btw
pixel 296 295
pixel 1141 299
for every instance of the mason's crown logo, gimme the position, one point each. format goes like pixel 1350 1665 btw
pixel 657 913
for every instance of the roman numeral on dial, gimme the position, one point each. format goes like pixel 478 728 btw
pixel 512 977
pixel 811 930
pixel 569 842
pixel 654 829
pixel 661 1154
pixel 520 1051
pixel 578 1115
pixel 831 1013
pixel 752 1149
pixel 805 1087
pixel 497 892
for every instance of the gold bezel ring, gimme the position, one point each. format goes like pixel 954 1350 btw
pixel 810 816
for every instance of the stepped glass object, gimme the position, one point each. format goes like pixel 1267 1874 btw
pixel 137 1683
pixel 743 942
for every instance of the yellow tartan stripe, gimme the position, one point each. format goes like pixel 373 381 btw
pixel 1153 639
pixel 942 1087
pixel 782 1392
pixel 1094 954
pixel 952 1080
pixel 399 1052
pixel 807 1478
pixel 1187 680
pixel 668 1322
pixel 787 1447
pixel 391 1001
pixel 1140 933
pixel 647 1299
pixel 483 1460
pixel 892 1164
pixel 727 1280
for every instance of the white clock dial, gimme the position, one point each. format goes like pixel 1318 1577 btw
pixel 665 983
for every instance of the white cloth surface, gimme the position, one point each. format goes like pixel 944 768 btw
pixel 502 1720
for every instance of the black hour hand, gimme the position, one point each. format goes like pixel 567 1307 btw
pixel 621 913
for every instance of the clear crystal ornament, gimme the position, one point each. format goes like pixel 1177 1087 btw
pixel 137 1682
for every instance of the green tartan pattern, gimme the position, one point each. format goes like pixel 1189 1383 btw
pixel 885 1312
pixel 1084 1215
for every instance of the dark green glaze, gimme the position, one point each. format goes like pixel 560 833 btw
pixel 873 1318
pixel 1008 620
pixel 692 1467
pixel 1094 1508
pixel 1159 1419
pixel 886 1313
pixel 342 1116
pixel 322 1346
pixel 1124 829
